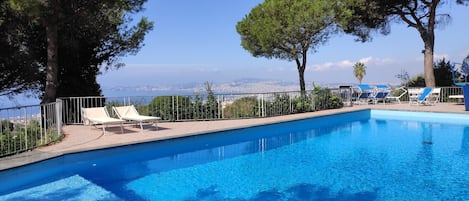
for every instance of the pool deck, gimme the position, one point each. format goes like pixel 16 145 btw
pixel 80 138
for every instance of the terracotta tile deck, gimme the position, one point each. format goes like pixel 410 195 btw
pixel 82 138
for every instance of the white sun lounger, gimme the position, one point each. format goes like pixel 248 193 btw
pixel 129 113
pixel 99 115
pixel 397 98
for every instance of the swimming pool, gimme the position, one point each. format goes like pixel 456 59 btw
pixel 363 155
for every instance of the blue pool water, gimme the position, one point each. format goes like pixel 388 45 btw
pixel 364 155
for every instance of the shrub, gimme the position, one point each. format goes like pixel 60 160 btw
pixel 170 107
pixel 324 99
pixel 280 105
pixel 242 108
pixel 302 103
pixel 26 137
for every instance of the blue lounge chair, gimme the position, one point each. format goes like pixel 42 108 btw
pixel 365 93
pixel 382 92
pixel 423 97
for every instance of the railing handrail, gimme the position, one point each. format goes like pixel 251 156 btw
pixel 19 107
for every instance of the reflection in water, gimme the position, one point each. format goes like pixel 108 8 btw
pixel 302 191
pixel 465 142
pixel 427 133
pixel 425 157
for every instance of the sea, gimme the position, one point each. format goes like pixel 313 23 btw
pixel 28 100
pixel 239 86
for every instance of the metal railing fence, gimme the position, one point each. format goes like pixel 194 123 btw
pixel 449 91
pixel 444 93
pixel 209 107
pixel 27 127
pixel 221 106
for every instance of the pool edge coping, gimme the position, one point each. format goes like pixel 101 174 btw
pixel 24 159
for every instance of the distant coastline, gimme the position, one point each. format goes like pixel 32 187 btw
pixel 238 86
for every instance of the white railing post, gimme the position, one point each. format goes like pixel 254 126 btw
pixel 263 108
pixel 25 127
pixel 58 116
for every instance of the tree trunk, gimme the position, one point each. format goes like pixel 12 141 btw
pixel 428 64
pixel 428 37
pixel 301 73
pixel 50 91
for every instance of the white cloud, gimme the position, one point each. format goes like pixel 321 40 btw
pixel 277 69
pixel 366 60
pixel 369 61
pixel 322 67
pixel 437 57
pixel 345 64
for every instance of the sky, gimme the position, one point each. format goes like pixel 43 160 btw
pixel 197 42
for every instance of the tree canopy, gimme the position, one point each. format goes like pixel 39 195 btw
pixel 83 51
pixel 359 70
pixel 91 35
pixel 19 66
pixel 422 15
pixel 287 29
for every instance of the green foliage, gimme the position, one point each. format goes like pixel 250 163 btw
pixel 19 137
pixel 443 74
pixel 51 136
pixel 397 92
pixel 171 108
pixel 242 108
pixel 421 15
pixel 205 108
pixel 302 103
pixel 96 37
pixel 211 106
pixel 284 29
pixel 90 35
pixel 18 65
pixel 335 102
pixel 198 106
pixel 359 70
pixel 416 81
pixel 324 99
pixel 6 125
pixel 174 108
pixel 280 105
pixel 361 17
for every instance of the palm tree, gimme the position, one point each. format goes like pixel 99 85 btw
pixel 359 70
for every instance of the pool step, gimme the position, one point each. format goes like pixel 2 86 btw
pixel 74 187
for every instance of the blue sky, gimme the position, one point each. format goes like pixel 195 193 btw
pixel 196 41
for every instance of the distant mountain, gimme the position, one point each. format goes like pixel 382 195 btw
pixel 247 85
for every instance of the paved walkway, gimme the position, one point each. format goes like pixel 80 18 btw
pixel 82 138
